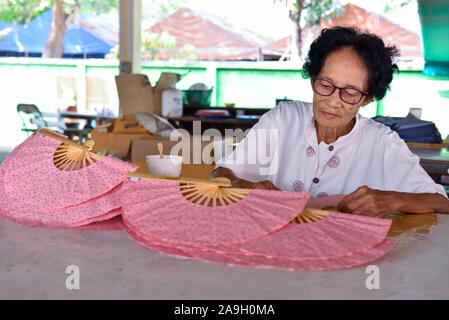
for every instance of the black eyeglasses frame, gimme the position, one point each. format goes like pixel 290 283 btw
pixel 363 94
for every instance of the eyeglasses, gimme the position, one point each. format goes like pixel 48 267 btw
pixel 348 95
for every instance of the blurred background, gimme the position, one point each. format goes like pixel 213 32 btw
pixel 64 55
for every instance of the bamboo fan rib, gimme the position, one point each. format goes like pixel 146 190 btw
pixel 211 194
pixel 68 157
pixel 309 215
pixel 41 186
pixel 200 213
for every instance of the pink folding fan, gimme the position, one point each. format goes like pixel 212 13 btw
pixel 203 213
pixel 325 202
pixel 234 255
pixel 169 217
pixel 49 180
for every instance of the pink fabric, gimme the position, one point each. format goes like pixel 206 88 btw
pixel 337 235
pixel 344 262
pixel 232 255
pixel 160 209
pixel 324 202
pixel 113 224
pixel 93 210
pixel 31 178
pixel 339 241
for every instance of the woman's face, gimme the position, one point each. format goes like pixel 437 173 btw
pixel 345 69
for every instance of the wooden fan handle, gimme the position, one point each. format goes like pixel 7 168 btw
pixel 71 143
pixel 221 182
pixel 317 212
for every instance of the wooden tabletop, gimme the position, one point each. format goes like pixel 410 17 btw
pixel 220 121
pixel 87 116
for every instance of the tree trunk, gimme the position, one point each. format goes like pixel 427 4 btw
pixel 295 17
pixel 296 41
pixel 54 47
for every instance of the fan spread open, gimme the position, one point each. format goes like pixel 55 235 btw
pixel 309 215
pixel 70 155
pixel 51 181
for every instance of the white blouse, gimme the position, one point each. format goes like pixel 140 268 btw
pixel 283 148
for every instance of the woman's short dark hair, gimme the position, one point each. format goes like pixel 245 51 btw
pixel 377 57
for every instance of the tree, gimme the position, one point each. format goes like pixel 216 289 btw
pixel 154 43
pixel 305 13
pixel 391 5
pixel 64 12
pixel 21 11
pixel 54 47
pixel 155 10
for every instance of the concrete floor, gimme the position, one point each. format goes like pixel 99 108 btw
pixel 33 262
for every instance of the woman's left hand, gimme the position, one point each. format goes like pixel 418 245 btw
pixel 369 202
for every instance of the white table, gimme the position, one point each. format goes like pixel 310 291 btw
pixel 33 263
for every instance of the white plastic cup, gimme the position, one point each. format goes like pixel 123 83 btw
pixel 169 166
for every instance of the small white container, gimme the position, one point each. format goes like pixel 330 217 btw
pixel 166 166
pixel 172 103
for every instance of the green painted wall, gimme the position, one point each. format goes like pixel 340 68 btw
pixel 245 84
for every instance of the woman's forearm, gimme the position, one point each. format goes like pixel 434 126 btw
pixel 422 202
pixel 236 181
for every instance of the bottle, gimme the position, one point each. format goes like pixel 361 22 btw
pixel 172 103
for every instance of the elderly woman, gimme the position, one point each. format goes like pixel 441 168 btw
pixel 326 147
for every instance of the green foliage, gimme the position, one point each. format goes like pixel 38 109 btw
pixel 310 12
pixel 186 53
pixel 391 5
pixel 152 43
pixel 22 11
pixel 156 10
pixel 99 6
pixel 316 10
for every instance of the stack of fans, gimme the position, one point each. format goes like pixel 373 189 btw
pixel 50 181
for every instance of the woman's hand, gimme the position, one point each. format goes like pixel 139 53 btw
pixel 369 202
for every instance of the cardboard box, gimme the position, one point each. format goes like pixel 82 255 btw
pixel 136 93
pixel 129 125
pixel 141 147
pixel 115 144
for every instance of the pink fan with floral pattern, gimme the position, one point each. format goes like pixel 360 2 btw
pixel 287 258
pixel 51 181
pixel 162 209
pixel 158 215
